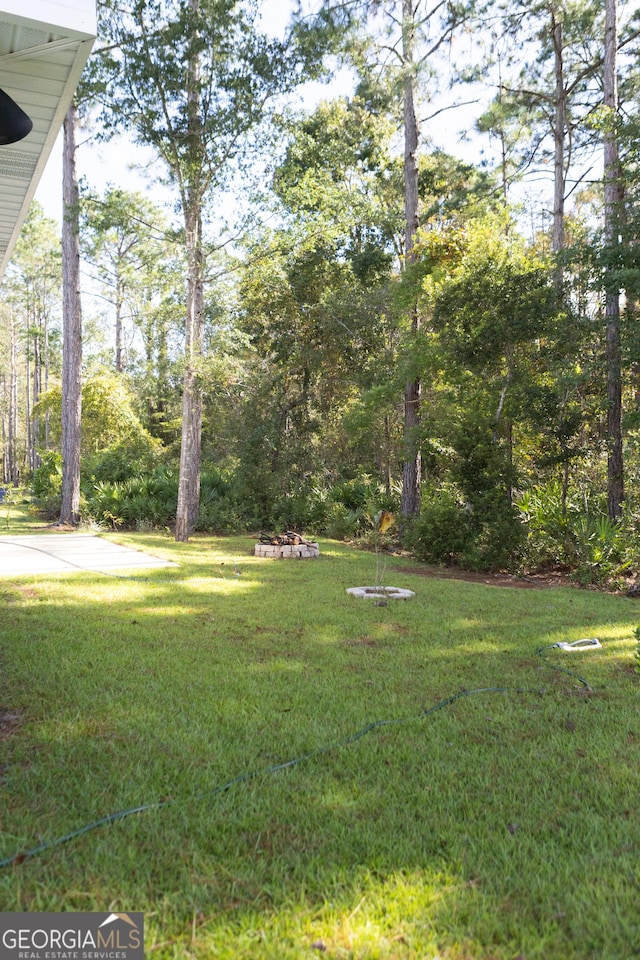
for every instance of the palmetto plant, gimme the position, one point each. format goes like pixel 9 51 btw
pixel 601 548
pixel 575 533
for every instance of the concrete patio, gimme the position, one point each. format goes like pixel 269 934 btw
pixel 68 552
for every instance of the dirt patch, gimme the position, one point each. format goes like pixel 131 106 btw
pixel 9 723
pixel 534 581
pixel 361 642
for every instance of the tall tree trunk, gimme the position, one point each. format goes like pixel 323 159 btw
pixel 559 131
pixel 5 428
pixel 504 157
pixel 190 447
pixel 613 196
pixel 72 327
pixel 37 386
pixel 46 380
pixel 119 305
pixel 191 441
pixel 13 473
pixel 27 398
pixel 412 470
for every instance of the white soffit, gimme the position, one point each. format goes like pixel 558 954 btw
pixel 41 59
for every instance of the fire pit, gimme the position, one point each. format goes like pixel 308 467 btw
pixel 289 545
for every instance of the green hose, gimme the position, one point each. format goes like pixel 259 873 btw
pixel 18 858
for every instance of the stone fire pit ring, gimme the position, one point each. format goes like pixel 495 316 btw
pixel 303 551
pixel 381 593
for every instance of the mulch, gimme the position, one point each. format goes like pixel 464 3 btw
pixel 533 581
pixel 530 581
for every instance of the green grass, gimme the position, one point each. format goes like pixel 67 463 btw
pixel 504 825
pixel 17 515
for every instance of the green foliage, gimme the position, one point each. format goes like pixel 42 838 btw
pixel 602 549
pixel 115 449
pixel 442 534
pixel 219 511
pixel 109 419
pixel 343 511
pixel 340 147
pixel 564 529
pixel 352 506
pixel 239 70
pixel 468 517
pixel 47 478
pixel 46 484
pixel 136 502
pixel 502 342
pixel 452 531
pixel 548 517
pixel 30 337
pixel 318 335
pixel 149 501
pixel 122 461
pixel 127 240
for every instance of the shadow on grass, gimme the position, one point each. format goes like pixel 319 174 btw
pixel 489 829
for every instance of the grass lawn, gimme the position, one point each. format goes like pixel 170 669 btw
pixel 16 516
pixel 504 825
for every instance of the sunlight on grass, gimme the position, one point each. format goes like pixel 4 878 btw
pixel 17 515
pixel 381 919
pixel 503 824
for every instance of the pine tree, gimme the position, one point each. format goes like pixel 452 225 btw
pixel 72 327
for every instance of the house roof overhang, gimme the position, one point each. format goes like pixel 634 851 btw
pixel 41 58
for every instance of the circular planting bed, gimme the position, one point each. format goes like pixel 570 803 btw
pixel 381 593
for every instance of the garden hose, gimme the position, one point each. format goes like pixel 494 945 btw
pixel 576 645
pixel 20 857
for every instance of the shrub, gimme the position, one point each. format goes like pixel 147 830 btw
pixel 548 520
pixel 47 478
pixel 443 533
pixel 105 503
pixel 218 507
pixel 499 535
pixel 318 507
pixel 600 549
pixel 122 461
pixel 147 502
pixel 342 523
pixel 46 485
pixel 449 530
pixel 573 532
pixel 137 501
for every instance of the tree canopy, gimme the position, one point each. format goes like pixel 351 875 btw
pixel 333 313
